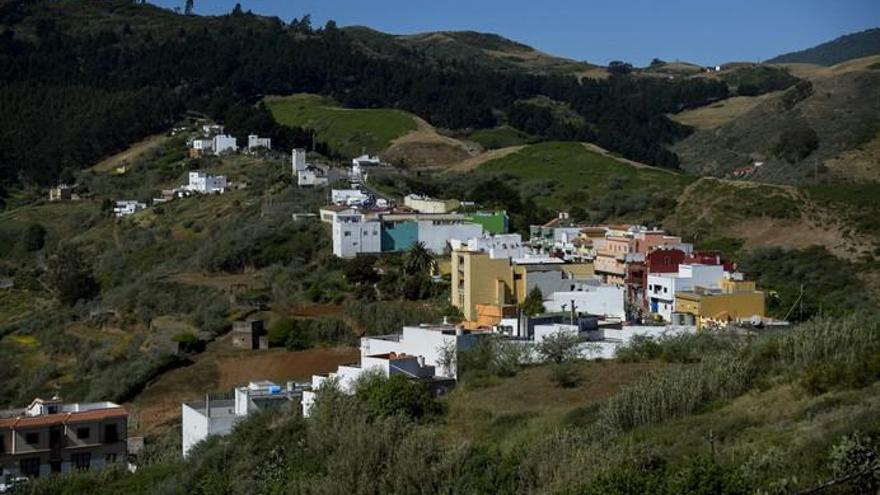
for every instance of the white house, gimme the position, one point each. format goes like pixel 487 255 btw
pixel 366 161
pixel 128 207
pixel 224 144
pixel 424 352
pixel 204 183
pixel 312 176
pixel 203 146
pixel 202 419
pixel 353 234
pixel 594 299
pixel 330 213
pixel 663 286
pixel 255 142
pixel 348 196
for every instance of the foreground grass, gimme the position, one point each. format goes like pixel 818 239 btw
pixel 349 131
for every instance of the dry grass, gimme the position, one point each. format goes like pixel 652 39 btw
pixel 222 367
pixel 531 400
pixel 721 112
pixel 425 147
pixel 475 161
pixel 132 153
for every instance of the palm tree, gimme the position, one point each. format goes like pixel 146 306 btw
pixel 418 260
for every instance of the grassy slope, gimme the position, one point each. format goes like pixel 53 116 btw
pixel 577 176
pixel 349 131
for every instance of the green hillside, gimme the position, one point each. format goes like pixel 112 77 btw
pixel 347 131
pixel 847 47
pixel 566 175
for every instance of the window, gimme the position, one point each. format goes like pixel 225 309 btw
pixel 83 432
pixel 2 444
pixel 30 467
pixel 347 233
pixel 32 438
pixel 81 461
pixel 111 435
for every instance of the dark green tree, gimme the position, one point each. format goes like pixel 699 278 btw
pixel 534 303
pixel 34 237
pixel 396 395
pixel 70 276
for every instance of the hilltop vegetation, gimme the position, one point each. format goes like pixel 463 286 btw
pixel 347 131
pixel 847 47
pixel 490 51
pixel 134 75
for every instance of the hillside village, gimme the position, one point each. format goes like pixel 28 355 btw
pixel 311 297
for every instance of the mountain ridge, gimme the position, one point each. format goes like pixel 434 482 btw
pixel 847 47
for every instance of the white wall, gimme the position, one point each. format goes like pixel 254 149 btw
pixel 224 143
pixel 437 236
pixel 298 160
pixel 352 235
pixel 605 300
pixel 196 427
pixel 418 341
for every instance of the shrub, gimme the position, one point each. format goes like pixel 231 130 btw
pixel 396 395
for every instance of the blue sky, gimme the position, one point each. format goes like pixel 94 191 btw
pixel 703 31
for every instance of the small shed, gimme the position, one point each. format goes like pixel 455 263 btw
pixel 249 334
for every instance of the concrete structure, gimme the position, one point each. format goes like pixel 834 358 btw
pixel 202 419
pixel 297 160
pixel 201 147
pixel 127 207
pixel 224 144
pixel 350 197
pixel 312 176
pixel 593 299
pixel 49 436
pixel 249 334
pixel 353 234
pixel 62 192
pixel 507 246
pixel 204 183
pixel 330 213
pixel 425 204
pixel 662 288
pixel 255 142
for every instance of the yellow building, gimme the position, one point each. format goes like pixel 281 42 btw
pixel 737 300
pixel 479 281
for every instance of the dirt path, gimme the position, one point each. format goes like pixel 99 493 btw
pixel 475 161
pixel 602 151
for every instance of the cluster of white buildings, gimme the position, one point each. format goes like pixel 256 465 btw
pixel 205 183
pixel 214 141
pixel 127 207
pixel 359 166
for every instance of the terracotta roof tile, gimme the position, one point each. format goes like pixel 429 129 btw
pixel 62 418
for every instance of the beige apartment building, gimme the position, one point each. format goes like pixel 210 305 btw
pixel 49 437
